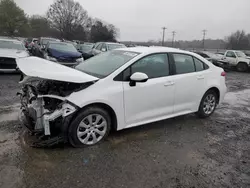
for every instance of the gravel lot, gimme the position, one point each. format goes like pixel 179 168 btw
pixel 180 152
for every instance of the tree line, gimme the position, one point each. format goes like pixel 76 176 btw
pixel 64 19
pixel 67 19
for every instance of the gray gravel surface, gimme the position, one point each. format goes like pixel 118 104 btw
pixel 180 152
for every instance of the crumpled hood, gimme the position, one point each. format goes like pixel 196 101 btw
pixel 13 53
pixel 64 55
pixel 42 68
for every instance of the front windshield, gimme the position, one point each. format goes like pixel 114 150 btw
pixel 104 64
pixel 86 47
pixel 11 45
pixel 63 47
pixel 115 46
pixel 240 54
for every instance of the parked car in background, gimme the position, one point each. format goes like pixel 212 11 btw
pixel 106 46
pixel 119 89
pixel 27 42
pixel 42 41
pixel 70 42
pixel 39 47
pixel 86 50
pixel 237 59
pixel 10 50
pixel 31 44
pixel 63 53
pixel 214 58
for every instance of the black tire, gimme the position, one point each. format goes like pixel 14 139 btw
pixel 201 113
pixel 72 132
pixel 242 67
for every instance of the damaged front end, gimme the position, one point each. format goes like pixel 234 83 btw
pixel 45 110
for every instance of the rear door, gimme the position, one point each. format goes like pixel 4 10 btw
pixel 190 78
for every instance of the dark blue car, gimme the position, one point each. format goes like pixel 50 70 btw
pixel 63 53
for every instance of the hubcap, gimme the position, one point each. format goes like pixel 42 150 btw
pixel 209 104
pixel 92 129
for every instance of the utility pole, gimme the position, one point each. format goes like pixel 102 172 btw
pixel 163 35
pixel 174 32
pixel 204 36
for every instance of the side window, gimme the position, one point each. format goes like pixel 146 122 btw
pixel 99 47
pixel 230 54
pixel 199 65
pixel 154 66
pixel 183 63
pixel 104 46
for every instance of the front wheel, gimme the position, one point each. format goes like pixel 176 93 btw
pixel 208 104
pixel 90 127
pixel 242 67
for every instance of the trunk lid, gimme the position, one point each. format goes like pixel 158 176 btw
pixel 42 68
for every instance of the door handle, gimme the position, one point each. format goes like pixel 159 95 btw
pixel 170 83
pixel 200 77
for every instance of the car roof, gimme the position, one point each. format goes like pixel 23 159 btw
pixel 149 50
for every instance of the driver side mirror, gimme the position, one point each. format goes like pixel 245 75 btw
pixel 104 49
pixel 137 77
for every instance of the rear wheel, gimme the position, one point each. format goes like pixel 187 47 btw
pixel 242 67
pixel 208 104
pixel 90 127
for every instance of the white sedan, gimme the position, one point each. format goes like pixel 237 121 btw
pixel 116 90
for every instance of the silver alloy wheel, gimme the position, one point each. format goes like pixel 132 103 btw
pixel 209 104
pixel 92 129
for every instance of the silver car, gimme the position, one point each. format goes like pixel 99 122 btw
pixel 105 46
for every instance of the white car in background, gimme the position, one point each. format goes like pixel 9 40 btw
pixel 10 50
pixel 101 47
pixel 116 90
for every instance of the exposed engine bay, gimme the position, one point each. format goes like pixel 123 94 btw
pixel 45 110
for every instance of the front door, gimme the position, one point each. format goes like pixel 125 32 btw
pixel 231 58
pixel 154 99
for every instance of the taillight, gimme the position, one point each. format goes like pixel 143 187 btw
pixel 223 73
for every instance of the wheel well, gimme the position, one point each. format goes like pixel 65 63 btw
pixel 217 91
pixel 241 62
pixel 109 110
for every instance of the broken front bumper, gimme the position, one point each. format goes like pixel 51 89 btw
pixel 50 125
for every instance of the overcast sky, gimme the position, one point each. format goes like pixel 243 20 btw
pixel 140 20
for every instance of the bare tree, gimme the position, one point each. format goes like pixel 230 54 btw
pixel 238 41
pixel 66 16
